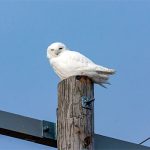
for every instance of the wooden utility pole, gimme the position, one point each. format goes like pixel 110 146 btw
pixel 75 117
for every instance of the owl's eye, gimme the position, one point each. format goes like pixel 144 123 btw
pixel 52 49
pixel 60 48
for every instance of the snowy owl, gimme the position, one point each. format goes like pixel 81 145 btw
pixel 68 63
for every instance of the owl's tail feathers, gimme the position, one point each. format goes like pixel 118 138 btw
pixel 102 79
pixel 106 71
pixel 104 84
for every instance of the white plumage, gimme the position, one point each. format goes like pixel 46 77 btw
pixel 68 63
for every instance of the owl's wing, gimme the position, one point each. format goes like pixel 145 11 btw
pixel 76 61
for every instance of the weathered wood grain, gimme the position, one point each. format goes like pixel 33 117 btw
pixel 75 124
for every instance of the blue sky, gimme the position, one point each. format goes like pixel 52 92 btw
pixel 112 33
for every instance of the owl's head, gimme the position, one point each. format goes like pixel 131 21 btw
pixel 55 49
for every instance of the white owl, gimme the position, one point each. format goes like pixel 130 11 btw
pixel 68 63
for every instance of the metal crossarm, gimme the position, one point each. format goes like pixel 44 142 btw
pixel 27 128
pixel 44 132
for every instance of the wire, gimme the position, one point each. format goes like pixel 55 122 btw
pixel 144 141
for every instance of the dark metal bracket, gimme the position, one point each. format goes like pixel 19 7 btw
pixel 49 129
pixel 87 102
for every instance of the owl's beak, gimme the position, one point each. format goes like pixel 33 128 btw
pixel 57 52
